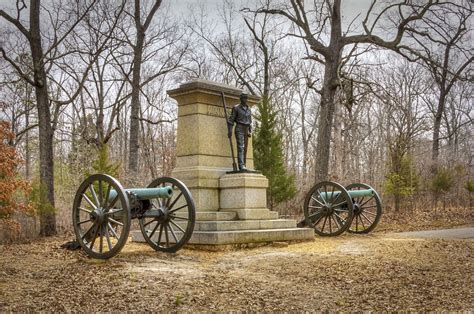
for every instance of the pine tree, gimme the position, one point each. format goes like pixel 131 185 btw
pixel 103 164
pixel 268 156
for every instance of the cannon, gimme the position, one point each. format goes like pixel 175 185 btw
pixel 103 210
pixel 331 209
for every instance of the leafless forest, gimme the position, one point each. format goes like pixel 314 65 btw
pixel 380 93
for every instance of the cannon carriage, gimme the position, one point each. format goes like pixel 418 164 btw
pixel 103 211
pixel 331 209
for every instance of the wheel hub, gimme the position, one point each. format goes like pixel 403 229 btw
pixel 327 209
pixel 97 216
pixel 163 214
pixel 357 208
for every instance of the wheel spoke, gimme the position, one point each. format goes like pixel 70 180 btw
pixel 336 220
pixel 160 233
pixel 113 231
pixel 160 203
pixel 101 245
pixel 83 222
pixel 177 226
pixel 370 213
pixel 370 221
pixel 111 205
pixel 94 237
pixel 317 221
pixel 362 222
pixel 176 209
pixel 85 210
pixel 113 211
pixel 100 194
pixel 87 232
pixel 314 199
pixel 173 233
pixel 339 204
pixel 154 229
pixel 174 202
pixel 94 195
pixel 314 214
pixel 330 225
pixel 341 219
pixel 107 236
pixel 166 236
pixel 337 197
pixel 107 194
pixel 115 222
pixel 324 223
pixel 372 206
pixel 367 201
pixel 146 224
pixel 178 217
pixel 89 201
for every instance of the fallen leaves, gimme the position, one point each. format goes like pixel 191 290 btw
pixel 348 273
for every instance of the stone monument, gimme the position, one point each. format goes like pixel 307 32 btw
pixel 231 207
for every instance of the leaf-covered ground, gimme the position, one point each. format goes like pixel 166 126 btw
pixel 374 272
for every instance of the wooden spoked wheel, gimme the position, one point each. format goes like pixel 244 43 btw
pixel 169 224
pixel 367 210
pixel 101 223
pixel 328 209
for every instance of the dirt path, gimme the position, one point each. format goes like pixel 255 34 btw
pixel 375 272
pixel 454 233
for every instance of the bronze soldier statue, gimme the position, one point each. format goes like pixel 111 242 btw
pixel 241 116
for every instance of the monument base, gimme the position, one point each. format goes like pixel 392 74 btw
pixel 242 217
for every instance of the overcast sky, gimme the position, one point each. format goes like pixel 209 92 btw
pixel 350 8
pixel 185 8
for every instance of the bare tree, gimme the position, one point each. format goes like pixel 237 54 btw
pixel 39 81
pixel 313 23
pixel 141 26
pixel 164 42
pixel 42 60
pixel 401 92
pixel 444 39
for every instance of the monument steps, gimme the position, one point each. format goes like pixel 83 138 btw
pixel 250 236
pixel 221 216
pixel 253 213
pixel 215 238
pixel 244 225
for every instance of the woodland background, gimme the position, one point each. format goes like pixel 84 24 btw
pixel 385 98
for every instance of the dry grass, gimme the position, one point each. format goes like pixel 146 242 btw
pixel 346 273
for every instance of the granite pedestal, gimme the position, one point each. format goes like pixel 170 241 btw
pixel 231 207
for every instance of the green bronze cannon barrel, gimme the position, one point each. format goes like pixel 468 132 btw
pixel 352 193
pixel 146 193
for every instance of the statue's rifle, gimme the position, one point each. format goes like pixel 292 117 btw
pixel 234 165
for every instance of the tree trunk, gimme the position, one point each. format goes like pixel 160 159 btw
pixel 326 120
pixel 135 104
pixel 47 215
pixel 27 146
pixel 337 170
pixel 436 129
pixel 330 84
pixel 397 202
